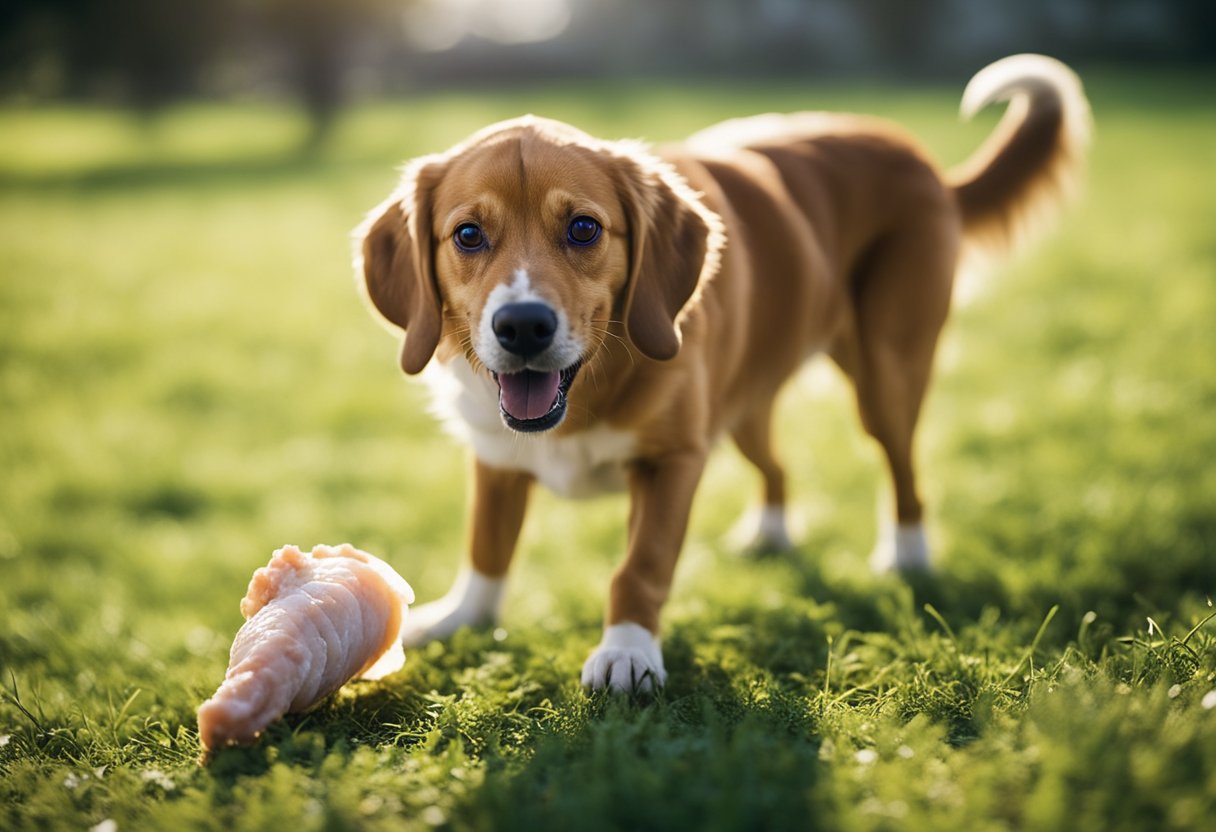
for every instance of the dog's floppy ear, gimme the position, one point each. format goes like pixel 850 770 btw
pixel 397 264
pixel 674 244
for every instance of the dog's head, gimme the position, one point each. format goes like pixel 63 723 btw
pixel 524 247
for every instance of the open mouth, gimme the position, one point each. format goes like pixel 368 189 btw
pixel 534 400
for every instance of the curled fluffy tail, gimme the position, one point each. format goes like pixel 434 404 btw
pixel 1033 160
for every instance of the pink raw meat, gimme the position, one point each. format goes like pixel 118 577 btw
pixel 313 622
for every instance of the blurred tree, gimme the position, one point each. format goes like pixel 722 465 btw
pixel 151 52
pixel 901 32
pixel 318 37
pixel 1198 24
pixel 145 51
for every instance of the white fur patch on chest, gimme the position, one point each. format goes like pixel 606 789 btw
pixel 584 464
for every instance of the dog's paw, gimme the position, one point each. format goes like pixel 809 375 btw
pixel 761 531
pixel 902 548
pixel 472 601
pixel 628 660
pixel 437 621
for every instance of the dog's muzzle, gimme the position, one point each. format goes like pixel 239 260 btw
pixel 533 398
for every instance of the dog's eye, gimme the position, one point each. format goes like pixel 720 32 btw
pixel 469 237
pixel 583 231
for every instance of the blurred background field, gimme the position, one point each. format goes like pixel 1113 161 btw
pixel 188 380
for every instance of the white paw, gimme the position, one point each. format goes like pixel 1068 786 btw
pixel 472 601
pixel 628 660
pixel 761 530
pixel 901 548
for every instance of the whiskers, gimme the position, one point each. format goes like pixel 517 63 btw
pixel 463 333
pixel 606 342
pixel 600 327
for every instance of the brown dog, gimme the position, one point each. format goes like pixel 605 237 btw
pixel 595 316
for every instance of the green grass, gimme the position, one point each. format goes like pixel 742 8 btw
pixel 188 380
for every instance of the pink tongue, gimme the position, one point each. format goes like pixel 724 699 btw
pixel 529 394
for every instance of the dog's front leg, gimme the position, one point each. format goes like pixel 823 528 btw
pixel 499 499
pixel 629 657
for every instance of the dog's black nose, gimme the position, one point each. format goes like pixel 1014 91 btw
pixel 525 329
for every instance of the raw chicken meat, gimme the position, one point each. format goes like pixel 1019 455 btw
pixel 313 622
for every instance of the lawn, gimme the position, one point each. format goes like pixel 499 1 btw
pixel 188 380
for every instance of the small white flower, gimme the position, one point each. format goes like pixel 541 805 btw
pixel 905 752
pixel 866 756
pixel 1209 700
pixel 4 738
pixel 1174 691
pixel 158 777
pixel 107 825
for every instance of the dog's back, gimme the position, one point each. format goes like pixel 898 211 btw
pixel 813 204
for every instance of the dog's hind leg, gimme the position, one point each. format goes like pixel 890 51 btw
pixel 902 296
pixel 765 530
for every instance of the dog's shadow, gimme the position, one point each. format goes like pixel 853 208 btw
pixel 792 638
